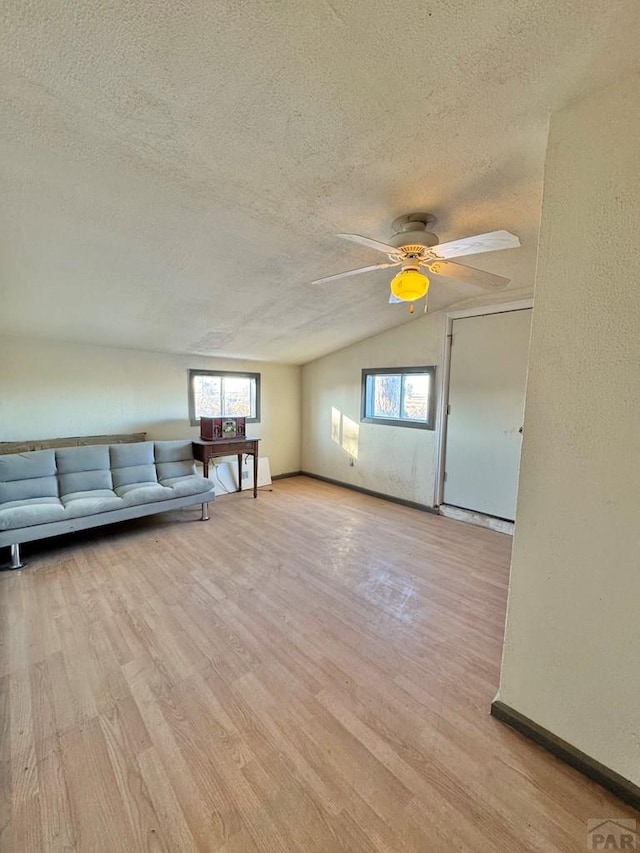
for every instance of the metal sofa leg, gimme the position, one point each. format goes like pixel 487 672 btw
pixel 205 512
pixel 16 562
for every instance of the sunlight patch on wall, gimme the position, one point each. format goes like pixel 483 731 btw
pixel 345 432
pixel 336 418
pixel 350 436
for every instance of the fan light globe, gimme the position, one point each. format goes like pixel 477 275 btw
pixel 409 285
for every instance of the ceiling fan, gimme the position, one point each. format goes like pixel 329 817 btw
pixel 413 248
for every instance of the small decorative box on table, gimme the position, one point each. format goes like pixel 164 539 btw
pixel 226 437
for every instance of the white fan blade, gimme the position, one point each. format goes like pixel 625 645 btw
pixel 355 272
pixel 372 244
pixel 469 275
pixel 491 242
pixel 393 300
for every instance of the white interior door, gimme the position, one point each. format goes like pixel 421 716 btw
pixel 489 357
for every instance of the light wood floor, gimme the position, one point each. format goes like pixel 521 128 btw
pixel 311 671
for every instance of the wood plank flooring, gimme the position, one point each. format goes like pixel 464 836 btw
pixel 311 671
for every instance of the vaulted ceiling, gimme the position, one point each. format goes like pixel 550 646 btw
pixel 172 171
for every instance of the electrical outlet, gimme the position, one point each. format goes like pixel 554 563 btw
pixel 245 475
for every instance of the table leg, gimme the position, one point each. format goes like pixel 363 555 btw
pixel 205 466
pixel 239 472
pixel 255 473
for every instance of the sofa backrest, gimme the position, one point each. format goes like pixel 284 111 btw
pixel 28 475
pixel 66 470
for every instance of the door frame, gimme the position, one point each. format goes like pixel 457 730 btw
pixel 445 376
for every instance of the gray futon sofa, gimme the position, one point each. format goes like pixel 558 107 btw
pixel 48 492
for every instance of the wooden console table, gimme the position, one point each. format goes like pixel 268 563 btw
pixel 203 451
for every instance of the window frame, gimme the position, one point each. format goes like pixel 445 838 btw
pixel 429 369
pixel 236 374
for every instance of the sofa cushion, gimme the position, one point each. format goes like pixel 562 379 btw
pixel 28 475
pixel 173 451
pixel 132 463
pixel 26 513
pixel 192 484
pixel 83 469
pixel 174 459
pixel 89 457
pixel 128 455
pixel 90 502
pixel 134 494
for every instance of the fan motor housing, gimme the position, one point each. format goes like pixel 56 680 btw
pixel 413 238
pixel 411 232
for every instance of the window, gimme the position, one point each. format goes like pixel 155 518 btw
pixel 399 396
pixel 222 394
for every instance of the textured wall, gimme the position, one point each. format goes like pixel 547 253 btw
pixel 573 635
pixel 392 460
pixel 51 389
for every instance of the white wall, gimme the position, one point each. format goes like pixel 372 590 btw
pixel 391 460
pixel 572 641
pixel 57 389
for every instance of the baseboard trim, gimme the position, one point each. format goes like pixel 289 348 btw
pixel 363 491
pixel 288 474
pixel 609 779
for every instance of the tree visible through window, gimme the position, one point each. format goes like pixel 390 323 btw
pixel 402 396
pixel 215 394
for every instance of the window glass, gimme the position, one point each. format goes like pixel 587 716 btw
pixel 415 400
pixel 386 396
pixel 207 392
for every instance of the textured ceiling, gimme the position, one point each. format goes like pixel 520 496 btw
pixel 171 173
